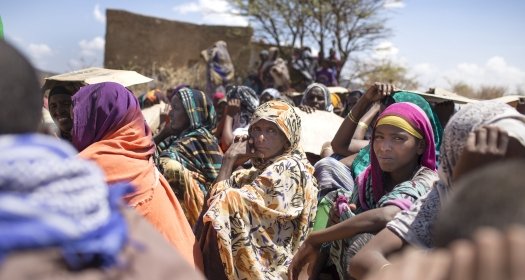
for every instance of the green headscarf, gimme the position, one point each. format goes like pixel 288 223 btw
pixel 362 159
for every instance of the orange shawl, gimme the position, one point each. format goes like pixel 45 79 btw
pixel 126 155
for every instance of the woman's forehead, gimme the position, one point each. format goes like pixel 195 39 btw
pixel 389 129
pixel 264 123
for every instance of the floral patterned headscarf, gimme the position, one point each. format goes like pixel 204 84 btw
pixel 286 119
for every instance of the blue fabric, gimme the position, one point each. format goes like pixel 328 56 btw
pixel 51 198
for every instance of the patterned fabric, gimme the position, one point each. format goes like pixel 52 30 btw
pixel 326 92
pixel 370 192
pixel 415 224
pixel 363 157
pixel 331 174
pixel 191 161
pixel 249 102
pixel 51 198
pixel 403 195
pixel 262 215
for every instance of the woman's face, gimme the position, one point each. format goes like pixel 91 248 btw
pixel 60 106
pixel 316 99
pixel 268 139
pixel 395 148
pixel 179 120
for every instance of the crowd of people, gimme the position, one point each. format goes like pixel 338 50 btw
pixel 224 189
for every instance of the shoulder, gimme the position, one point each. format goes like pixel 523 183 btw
pixel 425 176
pixel 147 256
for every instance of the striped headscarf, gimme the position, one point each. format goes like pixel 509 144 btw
pixel 196 148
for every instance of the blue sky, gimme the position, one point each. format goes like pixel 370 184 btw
pixel 480 42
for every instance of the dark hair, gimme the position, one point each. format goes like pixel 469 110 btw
pixel 21 106
pixel 492 196
pixel 59 90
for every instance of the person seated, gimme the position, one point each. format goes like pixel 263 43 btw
pixel 316 97
pixel 402 169
pixel 350 100
pixel 242 102
pixel 59 104
pixel 151 98
pixel 269 94
pixel 109 129
pixel 60 220
pixel 257 218
pixel 336 172
pixel 475 242
pixel 190 158
pixel 415 226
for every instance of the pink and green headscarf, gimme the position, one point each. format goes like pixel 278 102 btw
pixel 420 122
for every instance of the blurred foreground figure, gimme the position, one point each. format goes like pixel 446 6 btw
pixel 59 218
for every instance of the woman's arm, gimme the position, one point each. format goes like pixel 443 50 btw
pixel 373 256
pixel 369 221
pixel 233 108
pixel 308 254
pixel 343 137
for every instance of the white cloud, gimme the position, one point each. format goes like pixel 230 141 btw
pixel 99 14
pixel 394 4
pixel 93 47
pixel 187 8
pixel 495 72
pixel 39 51
pixel 386 51
pixel 212 12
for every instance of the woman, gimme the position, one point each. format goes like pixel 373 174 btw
pixel 415 226
pixel 108 128
pixel 362 159
pixel 402 169
pixel 257 218
pixel 269 94
pixel 316 97
pixel 191 158
pixel 333 174
pixel 242 102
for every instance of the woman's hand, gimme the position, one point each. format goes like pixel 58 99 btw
pixel 306 256
pixel 307 109
pixel 241 150
pixel 234 107
pixel 378 92
pixel 484 145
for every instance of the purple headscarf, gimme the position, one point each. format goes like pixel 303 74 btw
pixel 419 121
pixel 99 110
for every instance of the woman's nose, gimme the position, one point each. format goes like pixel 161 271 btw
pixel 260 137
pixel 385 146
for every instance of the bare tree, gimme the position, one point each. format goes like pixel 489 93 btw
pixel 280 22
pixel 351 25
